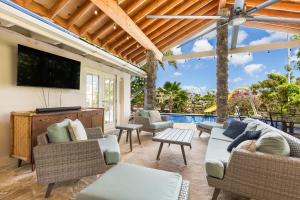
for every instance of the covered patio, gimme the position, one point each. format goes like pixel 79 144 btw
pixel 114 39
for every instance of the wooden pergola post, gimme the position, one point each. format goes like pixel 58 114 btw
pixel 222 69
pixel 151 70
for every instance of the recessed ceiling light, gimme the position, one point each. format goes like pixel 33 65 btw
pixel 115 26
pixel 127 37
pixel 96 12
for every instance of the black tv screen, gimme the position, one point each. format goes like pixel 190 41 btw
pixel 41 69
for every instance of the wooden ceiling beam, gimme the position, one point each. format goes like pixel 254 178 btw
pixel 175 41
pixel 274 27
pixel 117 14
pixel 118 36
pixel 185 35
pixel 84 9
pixel 109 26
pixel 194 10
pixel 277 13
pixel 158 23
pixel 57 8
pixel 141 15
pixel 91 22
pixel 167 32
pixel 285 6
pixel 222 4
pixel 42 11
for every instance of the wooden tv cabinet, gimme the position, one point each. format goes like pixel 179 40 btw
pixel 26 126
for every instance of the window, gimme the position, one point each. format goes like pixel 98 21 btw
pixel 92 90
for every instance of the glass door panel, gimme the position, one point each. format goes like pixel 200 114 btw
pixel 109 101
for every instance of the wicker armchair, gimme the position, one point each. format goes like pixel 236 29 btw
pixel 59 162
pixel 149 126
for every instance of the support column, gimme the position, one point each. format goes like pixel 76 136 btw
pixel 151 69
pixel 222 69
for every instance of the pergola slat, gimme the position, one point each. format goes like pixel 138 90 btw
pixel 156 25
pixel 158 36
pixel 112 9
pixel 170 23
pixel 79 13
pixel 120 36
pixel 109 25
pixel 141 15
pixel 283 5
pixel 171 42
pixel 57 8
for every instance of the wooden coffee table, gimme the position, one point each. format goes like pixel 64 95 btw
pixel 129 128
pixel 182 137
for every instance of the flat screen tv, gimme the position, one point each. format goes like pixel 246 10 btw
pixel 41 69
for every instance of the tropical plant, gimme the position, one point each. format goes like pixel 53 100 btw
pixel 278 95
pixel 173 96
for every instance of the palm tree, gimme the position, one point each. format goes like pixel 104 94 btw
pixel 171 91
pixel 151 69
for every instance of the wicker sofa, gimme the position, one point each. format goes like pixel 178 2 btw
pixel 253 174
pixel 58 162
pixel 151 124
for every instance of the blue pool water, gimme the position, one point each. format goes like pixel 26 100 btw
pixel 187 118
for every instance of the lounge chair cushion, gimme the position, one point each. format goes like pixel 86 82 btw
pixel 216 158
pixel 162 125
pixel 208 125
pixel 144 113
pixel 154 116
pixel 58 134
pixel 247 135
pixel 77 130
pixel 273 143
pixel 132 182
pixel 235 128
pixel 293 142
pixel 217 133
pixel 110 149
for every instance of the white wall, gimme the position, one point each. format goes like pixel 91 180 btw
pixel 17 98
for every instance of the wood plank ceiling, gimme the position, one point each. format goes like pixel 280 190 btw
pixel 84 18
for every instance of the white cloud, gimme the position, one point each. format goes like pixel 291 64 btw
pixel 240 58
pixel 253 68
pixel 177 51
pixel 242 36
pixel 237 79
pixel 194 89
pixel 202 45
pixel 273 71
pixel 272 37
pixel 177 74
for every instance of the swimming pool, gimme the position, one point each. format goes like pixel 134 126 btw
pixel 190 118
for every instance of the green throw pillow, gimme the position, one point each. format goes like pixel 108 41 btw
pixel 144 113
pixel 58 134
pixel 273 143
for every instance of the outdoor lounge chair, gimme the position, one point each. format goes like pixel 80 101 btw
pixel 152 121
pixel 58 162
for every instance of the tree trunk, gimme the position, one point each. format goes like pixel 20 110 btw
pixel 222 70
pixel 151 69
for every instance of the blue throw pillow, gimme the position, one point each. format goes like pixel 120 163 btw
pixel 235 128
pixel 248 135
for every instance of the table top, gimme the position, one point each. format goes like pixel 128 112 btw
pixel 175 136
pixel 129 126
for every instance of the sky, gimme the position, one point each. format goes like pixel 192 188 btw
pixel 199 75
